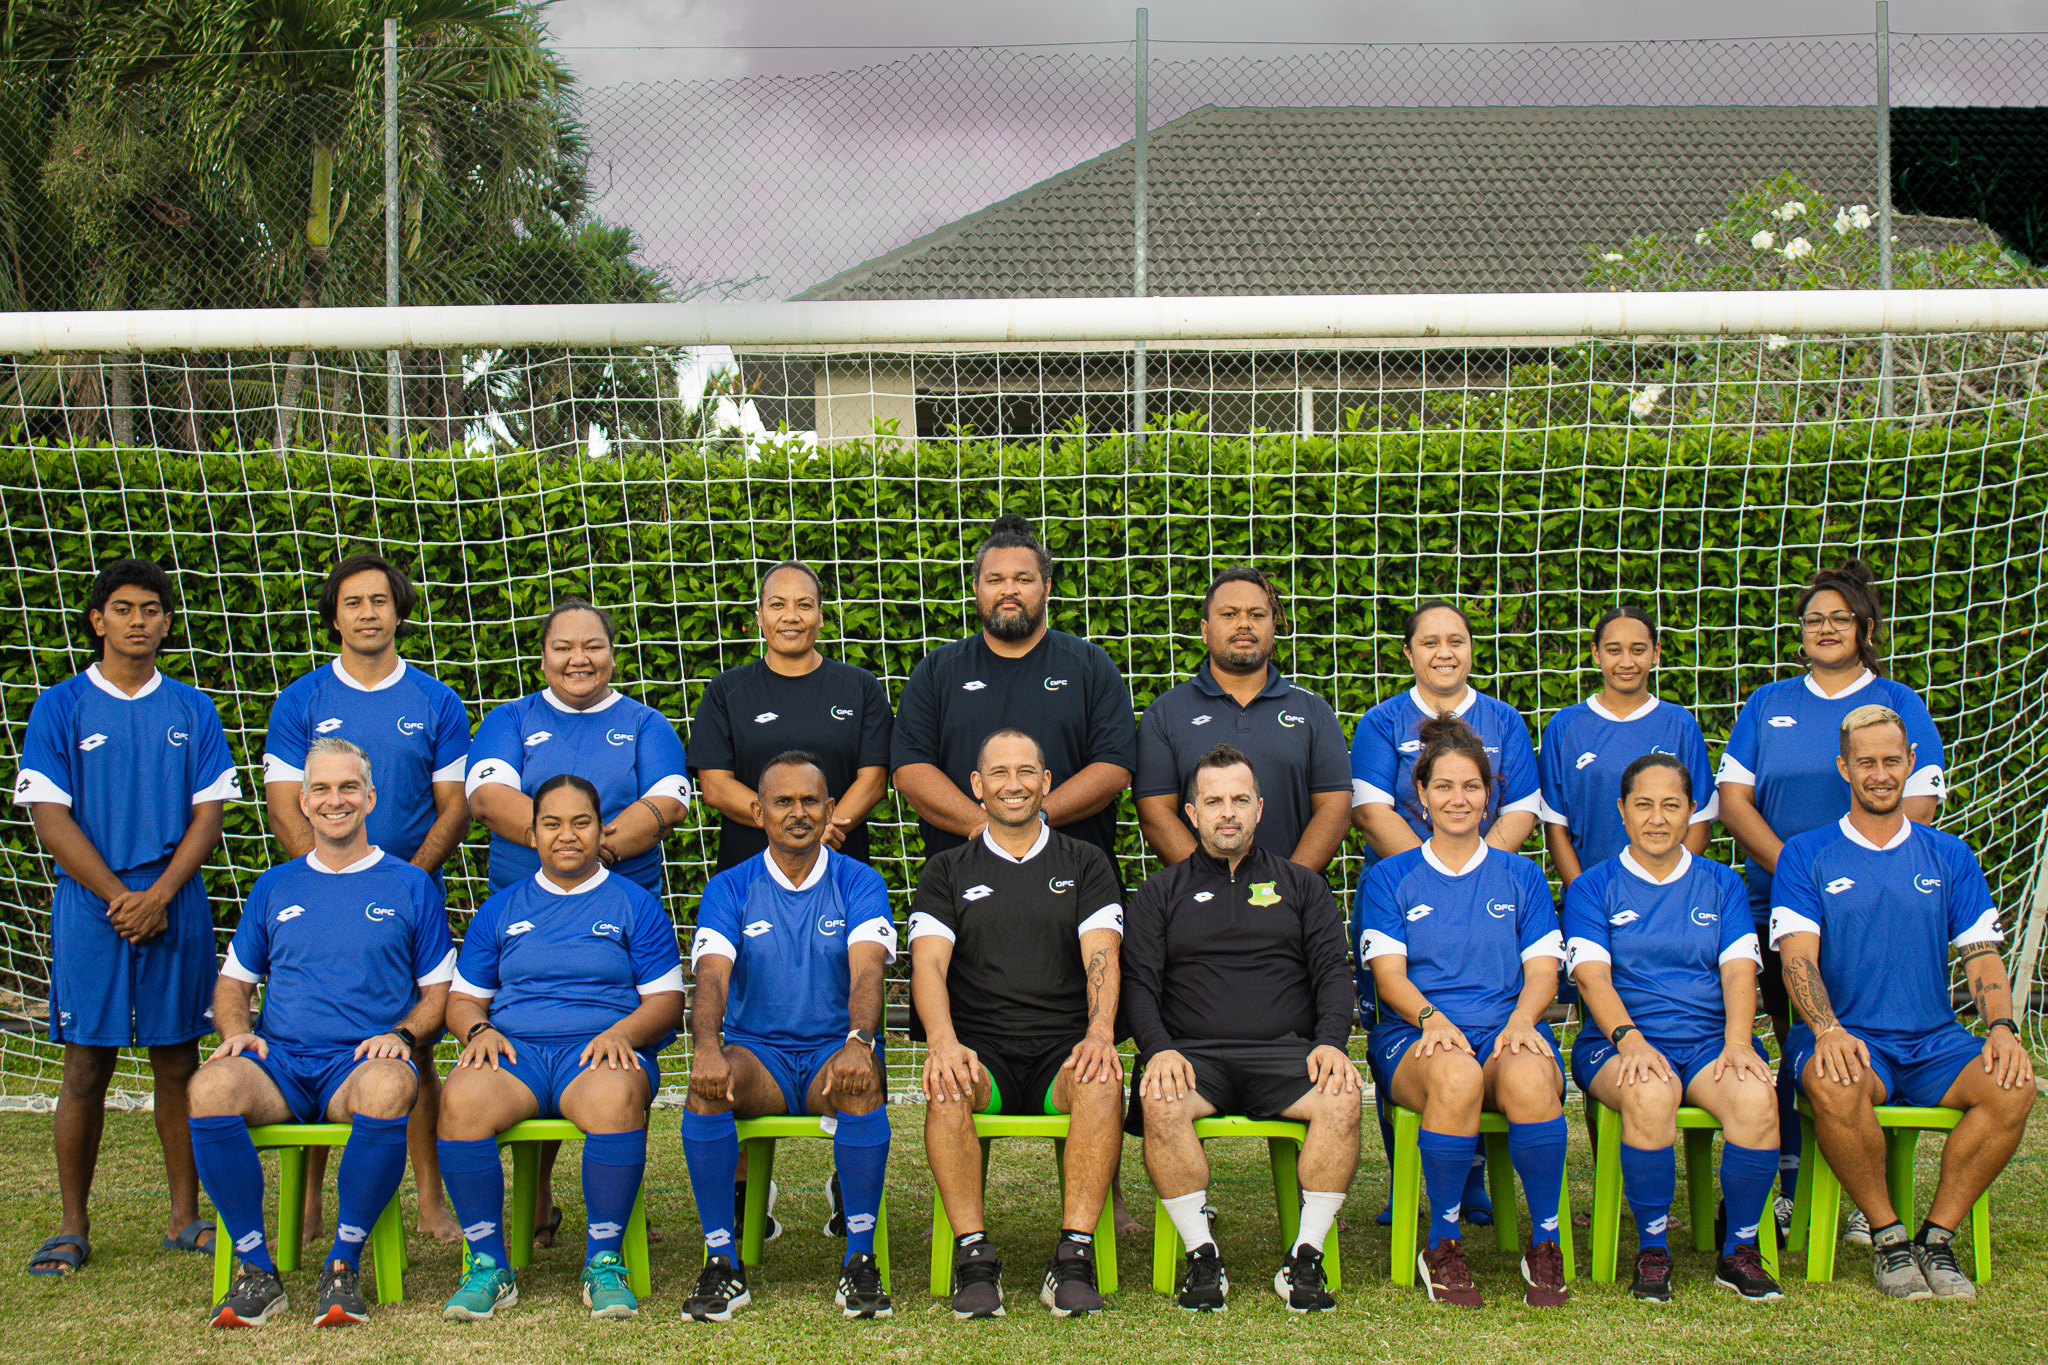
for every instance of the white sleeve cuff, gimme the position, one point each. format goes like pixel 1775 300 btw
pixel 880 931
pixel 31 787
pixel 233 969
pixel 675 785
pixel 444 972
pixel 1710 811
pixel 491 772
pixel 1550 945
pixel 1110 917
pixel 1928 781
pixel 928 926
pixel 226 787
pixel 711 943
pixel 1785 920
pixel 1547 814
pixel 447 772
pixel 1733 772
pixel 1985 930
pixel 464 986
pixel 1364 793
pixel 1744 949
pixel 276 769
pixel 1378 944
pixel 1529 804
pixel 671 980
pixel 1583 950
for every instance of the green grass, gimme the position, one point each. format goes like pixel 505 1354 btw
pixel 135 1302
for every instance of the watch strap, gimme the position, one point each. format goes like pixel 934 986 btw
pixel 405 1035
pixel 2005 1023
pixel 861 1036
pixel 1621 1031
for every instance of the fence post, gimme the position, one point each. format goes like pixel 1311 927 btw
pixel 1884 197
pixel 394 380
pixel 1138 229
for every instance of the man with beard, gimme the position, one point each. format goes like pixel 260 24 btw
pixel 1015 672
pixel 1239 697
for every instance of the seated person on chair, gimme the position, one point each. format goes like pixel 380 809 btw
pixel 1463 945
pixel 788 957
pixel 1665 956
pixel 568 985
pixel 1863 912
pixel 1239 994
pixel 1013 971
pixel 354 945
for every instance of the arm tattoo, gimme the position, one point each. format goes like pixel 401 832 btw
pixel 1973 952
pixel 1098 968
pixel 1989 991
pixel 1809 995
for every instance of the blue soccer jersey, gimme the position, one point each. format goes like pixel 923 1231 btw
pixel 1785 742
pixel 1465 934
pixel 560 967
pixel 788 945
pixel 625 749
pixel 130 768
pixel 1665 942
pixel 1388 741
pixel 1886 919
pixel 345 952
pixel 411 725
pixel 1585 750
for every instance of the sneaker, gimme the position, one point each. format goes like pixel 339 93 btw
pixel 604 1288
pixel 1936 1258
pixel 721 1291
pixel 859 1294
pixel 486 1287
pixel 341 1296
pixel 1742 1270
pixel 739 1205
pixel 252 1300
pixel 835 1209
pixel 1781 1211
pixel 1897 1271
pixel 1204 1286
pixel 1444 1275
pixel 1857 1234
pixel 1069 1289
pixel 977 1281
pixel 1543 1272
pixel 1652 1282
pixel 1299 1281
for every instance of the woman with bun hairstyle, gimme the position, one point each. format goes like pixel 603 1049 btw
pixel 1778 776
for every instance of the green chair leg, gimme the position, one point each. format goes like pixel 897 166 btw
pixel 1281 1157
pixel 1606 1191
pixel 639 1271
pixel 1901 1155
pixel 942 1247
pixel 1700 1186
pixel 760 1156
pixel 1824 1215
pixel 1767 1238
pixel 1980 1238
pixel 1500 1183
pixel 291 1206
pixel 1407 1194
pixel 525 1194
pixel 223 1261
pixel 1802 1189
pixel 387 1252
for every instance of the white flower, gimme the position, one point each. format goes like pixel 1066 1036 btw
pixel 1844 225
pixel 1859 216
pixel 1790 209
pixel 1643 403
pixel 1614 256
pixel 1798 247
pixel 1764 240
pixel 1777 341
pixel 1702 238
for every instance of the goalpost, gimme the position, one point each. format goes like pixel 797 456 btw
pixel 1535 456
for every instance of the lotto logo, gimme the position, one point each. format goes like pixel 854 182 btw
pixel 1655 1229
pixel 1413 746
pixel 1201 720
pixel 25 783
pixel 605 1231
pixel 765 717
pixel 1782 722
pixel 1202 896
pixel 1584 759
pixel 1420 912
pixel 1550 1224
pixel 249 1241
pixel 290 912
pixel 328 726
pixel 538 737
pixel 1625 917
pixel 476 1232
pixel 349 1232
pixel 1451 1214
pixel 975 893
pixel 757 928
pixel 860 1222
pixel 518 928
pixel 91 742
pixel 974 686
pixel 717 1238
pixel 1839 885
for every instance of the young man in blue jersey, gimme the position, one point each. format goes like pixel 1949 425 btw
pixel 416 733
pixel 788 955
pixel 125 773
pixel 1863 913
pixel 354 947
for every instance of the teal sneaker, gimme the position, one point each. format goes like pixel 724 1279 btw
pixel 486 1287
pixel 604 1288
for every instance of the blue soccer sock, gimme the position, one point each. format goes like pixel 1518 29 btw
pixel 475 1180
pixel 372 1164
pixel 1537 1150
pixel 233 1178
pixel 1446 1161
pixel 1477 1198
pixel 860 1151
pixel 1788 1128
pixel 1746 1186
pixel 1649 1176
pixel 711 1147
pixel 612 1166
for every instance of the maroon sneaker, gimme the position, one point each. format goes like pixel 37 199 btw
pixel 1444 1276
pixel 1543 1268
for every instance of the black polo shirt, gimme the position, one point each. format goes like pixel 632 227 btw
pixel 1290 735
pixel 1065 693
pixel 752 713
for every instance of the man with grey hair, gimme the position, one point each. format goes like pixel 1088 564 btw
pixel 1863 912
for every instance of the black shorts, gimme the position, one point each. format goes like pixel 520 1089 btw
pixel 1770 982
pixel 1254 1079
pixel 1021 1071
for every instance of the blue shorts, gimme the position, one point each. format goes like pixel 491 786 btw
pixel 794 1068
pixel 108 992
pixel 308 1080
pixel 1389 1039
pixel 1916 1068
pixel 547 1071
pixel 1590 1051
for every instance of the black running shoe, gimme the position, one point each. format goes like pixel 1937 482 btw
pixel 1069 1289
pixel 1742 1270
pixel 1300 1282
pixel 1203 1284
pixel 721 1291
pixel 977 1281
pixel 1652 1283
pixel 835 1209
pixel 253 1299
pixel 859 1294
pixel 772 1226
pixel 341 1296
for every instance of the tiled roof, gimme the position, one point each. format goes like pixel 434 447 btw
pixel 1328 201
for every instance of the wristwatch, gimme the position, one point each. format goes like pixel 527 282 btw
pixel 861 1036
pixel 478 1027
pixel 2004 1023
pixel 1621 1031
pixel 405 1035
pixel 1427 1010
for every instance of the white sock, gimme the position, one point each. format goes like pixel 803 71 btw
pixel 1186 1212
pixel 1318 1213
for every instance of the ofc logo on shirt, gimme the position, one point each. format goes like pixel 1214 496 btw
pixel 409 728
pixel 177 737
pixel 617 738
pixel 606 929
pixel 829 924
pixel 1288 720
pixel 1059 886
pixel 377 914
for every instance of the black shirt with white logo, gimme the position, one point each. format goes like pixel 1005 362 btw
pixel 1290 735
pixel 751 713
pixel 1246 956
pixel 1065 693
pixel 1016 926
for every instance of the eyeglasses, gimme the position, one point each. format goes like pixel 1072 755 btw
pixel 1841 620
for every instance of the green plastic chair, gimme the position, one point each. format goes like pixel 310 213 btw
pixel 1817 1205
pixel 757 1139
pixel 990 1127
pixel 291 1141
pixel 1500 1177
pixel 525 1139
pixel 1283 1149
pixel 1697 1127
